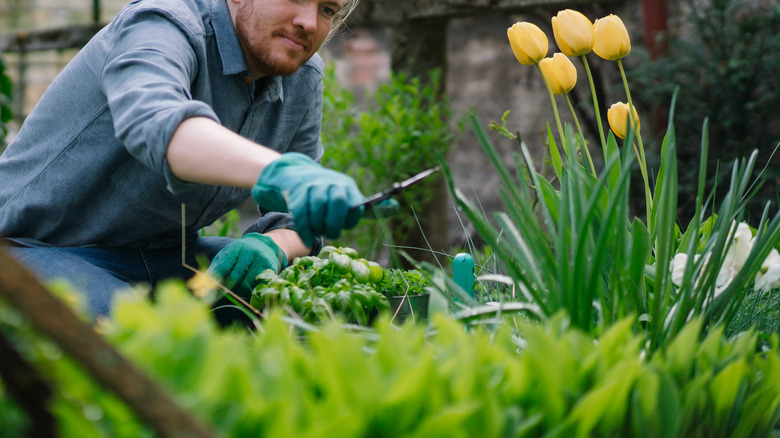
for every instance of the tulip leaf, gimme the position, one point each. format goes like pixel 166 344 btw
pixel 663 230
pixel 613 153
pixel 555 156
pixel 550 197
pixel 639 251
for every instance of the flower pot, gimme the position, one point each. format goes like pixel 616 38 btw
pixel 409 306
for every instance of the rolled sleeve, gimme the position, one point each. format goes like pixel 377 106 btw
pixel 146 79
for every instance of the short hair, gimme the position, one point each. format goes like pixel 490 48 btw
pixel 340 19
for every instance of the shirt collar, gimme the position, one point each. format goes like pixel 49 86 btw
pixel 230 50
pixel 227 42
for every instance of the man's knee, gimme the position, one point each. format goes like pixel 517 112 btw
pixel 96 285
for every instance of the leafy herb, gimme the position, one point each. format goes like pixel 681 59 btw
pixel 336 282
pixel 397 282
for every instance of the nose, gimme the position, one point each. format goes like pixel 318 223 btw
pixel 306 16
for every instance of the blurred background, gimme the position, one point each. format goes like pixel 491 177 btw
pixel 387 116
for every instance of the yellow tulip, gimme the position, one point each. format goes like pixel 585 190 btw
pixel 617 115
pixel 529 43
pixel 611 40
pixel 560 73
pixel 573 32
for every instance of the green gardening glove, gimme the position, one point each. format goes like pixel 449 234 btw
pixel 240 262
pixel 318 198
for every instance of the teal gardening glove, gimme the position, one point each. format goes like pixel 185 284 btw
pixel 239 263
pixel 318 198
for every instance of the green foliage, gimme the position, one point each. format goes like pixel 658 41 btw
pixel 576 249
pixel 512 379
pixel 402 132
pixel 537 380
pixel 6 90
pixel 398 282
pixel 227 225
pixel 336 283
pixel 726 69
pixel 80 406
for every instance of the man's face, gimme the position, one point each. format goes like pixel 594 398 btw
pixel 278 36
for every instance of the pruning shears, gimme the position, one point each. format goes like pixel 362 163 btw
pixel 374 201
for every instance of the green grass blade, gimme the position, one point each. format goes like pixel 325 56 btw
pixel 665 208
pixel 555 156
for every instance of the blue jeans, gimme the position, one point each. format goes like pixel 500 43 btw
pixel 101 273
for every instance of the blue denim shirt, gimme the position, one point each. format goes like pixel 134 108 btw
pixel 88 167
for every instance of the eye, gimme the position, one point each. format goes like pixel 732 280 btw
pixel 328 11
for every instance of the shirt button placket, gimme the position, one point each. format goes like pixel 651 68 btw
pixel 249 82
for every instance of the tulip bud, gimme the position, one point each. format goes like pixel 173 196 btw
pixel 529 43
pixel 560 73
pixel 573 32
pixel 617 115
pixel 611 40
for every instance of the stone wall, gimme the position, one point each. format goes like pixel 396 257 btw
pixel 484 77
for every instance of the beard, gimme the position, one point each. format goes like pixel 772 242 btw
pixel 262 51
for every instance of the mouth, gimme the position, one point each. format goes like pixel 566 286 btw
pixel 295 43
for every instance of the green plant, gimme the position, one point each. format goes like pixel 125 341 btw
pixel 576 247
pixel 581 252
pixel 79 405
pixel 337 282
pixel 510 379
pixel 6 91
pixel 227 225
pixel 546 379
pixel 398 282
pixel 402 132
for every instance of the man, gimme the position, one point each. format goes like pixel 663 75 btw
pixel 178 106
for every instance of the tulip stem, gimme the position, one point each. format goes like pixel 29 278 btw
pixel 554 106
pixel 595 106
pixel 582 137
pixel 635 128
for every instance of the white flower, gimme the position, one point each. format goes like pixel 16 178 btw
pixel 738 251
pixel 677 267
pixel 743 243
pixel 768 276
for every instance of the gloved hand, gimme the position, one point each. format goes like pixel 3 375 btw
pixel 240 262
pixel 319 198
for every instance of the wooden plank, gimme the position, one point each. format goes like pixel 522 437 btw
pixel 71 37
pixel 392 12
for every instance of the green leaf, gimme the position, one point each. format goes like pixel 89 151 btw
pixel 663 232
pixel 550 197
pixel 6 86
pixel 681 352
pixel 638 253
pixel 613 153
pixel 555 156
pixel 726 388
pixel 5 114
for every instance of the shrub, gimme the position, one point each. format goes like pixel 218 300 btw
pixel 725 68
